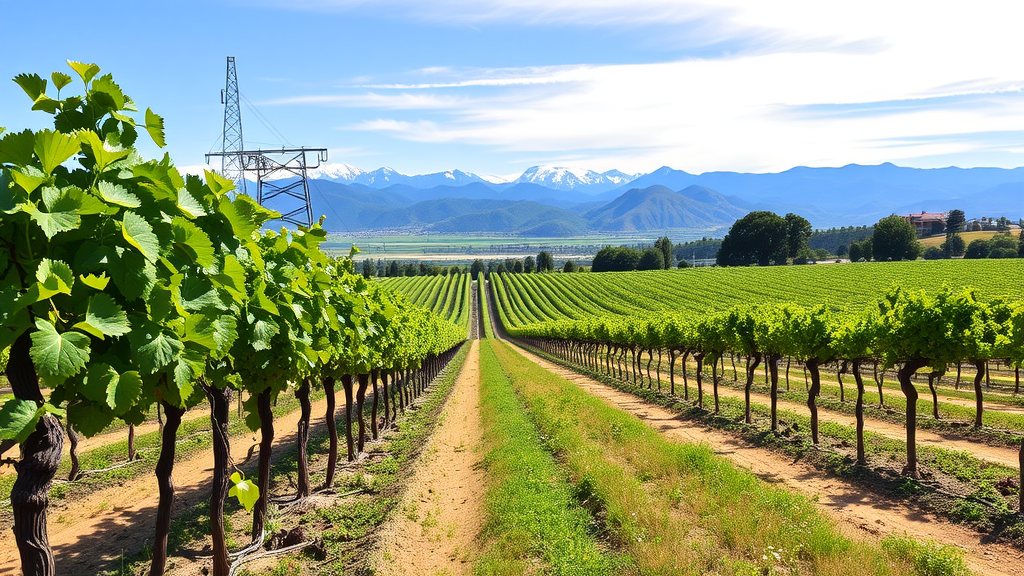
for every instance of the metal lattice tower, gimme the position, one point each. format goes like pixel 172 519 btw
pixel 281 174
pixel 231 164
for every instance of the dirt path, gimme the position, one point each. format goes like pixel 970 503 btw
pixel 436 527
pixel 88 534
pixel 998 454
pixel 854 508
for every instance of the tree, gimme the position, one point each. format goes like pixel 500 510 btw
pixel 954 246
pixel 616 259
pixel 798 232
pixel 895 239
pixel 955 222
pixel 517 266
pixel 683 264
pixel 665 246
pixel 757 238
pixel 856 252
pixel 476 268
pixel 651 259
pixel 1020 243
pixel 393 269
pixel 569 266
pixel 369 270
pixel 529 264
pixel 977 249
pixel 545 262
pixel 842 250
pixel 933 253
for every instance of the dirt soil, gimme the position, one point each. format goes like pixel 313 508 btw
pixel 87 535
pixel 855 510
pixel 440 516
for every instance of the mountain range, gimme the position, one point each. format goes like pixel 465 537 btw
pixel 558 201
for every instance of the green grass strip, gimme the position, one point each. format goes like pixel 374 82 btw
pixel 678 508
pixel 532 514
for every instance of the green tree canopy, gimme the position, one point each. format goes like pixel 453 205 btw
pixel 895 239
pixel 757 238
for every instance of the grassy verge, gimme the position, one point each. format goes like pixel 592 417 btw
pixel 532 513
pixel 679 508
pixel 488 330
pixel 954 484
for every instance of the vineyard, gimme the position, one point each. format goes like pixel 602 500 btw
pixel 449 296
pixel 125 287
pixel 654 332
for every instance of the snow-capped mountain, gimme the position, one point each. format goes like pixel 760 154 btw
pixel 336 172
pixel 572 179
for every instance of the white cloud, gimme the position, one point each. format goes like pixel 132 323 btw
pixel 761 108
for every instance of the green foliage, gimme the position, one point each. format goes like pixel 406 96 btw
pixel 928 558
pixel 617 259
pixel 895 239
pixel 244 491
pixel 757 238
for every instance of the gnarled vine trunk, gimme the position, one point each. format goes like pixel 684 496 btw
pixel 861 453
pixel 812 396
pixel 73 452
pixel 302 438
pixel 905 373
pixel 978 401
pixel 932 376
pixel 773 368
pixel 373 408
pixel 41 452
pixel 266 414
pixel 346 382
pixel 220 404
pixel 699 357
pixel 164 469
pixel 364 382
pixel 332 433
pixel 714 381
pixel 752 363
pixel 839 377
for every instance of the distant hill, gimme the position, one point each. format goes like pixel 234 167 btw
pixel 661 208
pixel 855 195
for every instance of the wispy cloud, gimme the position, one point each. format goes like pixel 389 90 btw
pixel 818 83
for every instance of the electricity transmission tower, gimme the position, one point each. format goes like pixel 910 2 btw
pixel 282 183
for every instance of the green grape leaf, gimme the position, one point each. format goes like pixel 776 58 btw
pixel 32 84
pixel 133 275
pixel 153 348
pixel 90 418
pixel 16 148
pixel 245 215
pixel 190 366
pixel 263 331
pixel 95 282
pixel 86 71
pixel 54 148
pixel 232 275
pixel 18 419
pixel 104 317
pixel 29 177
pixel 155 127
pixel 140 234
pixel 55 277
pixel 58 354
pixel 123 394
pixel 190 239
pixel 98 380
pixel 101 152
pixel 105 91
pixel 217 183
pixel 55 221
pixel 189 205
pixel 60 80
pixel 245 491
pixel 116 194
pixel 198 293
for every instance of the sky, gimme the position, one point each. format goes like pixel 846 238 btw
pixel 496 86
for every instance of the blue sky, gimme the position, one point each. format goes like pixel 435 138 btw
pixel 495 86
